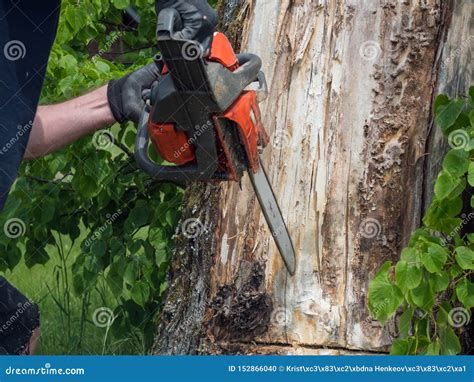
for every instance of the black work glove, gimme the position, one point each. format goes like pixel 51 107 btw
pixel 125 95
pixel 198 17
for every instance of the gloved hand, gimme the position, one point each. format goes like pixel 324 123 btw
pixel 198 17
pixel 125 95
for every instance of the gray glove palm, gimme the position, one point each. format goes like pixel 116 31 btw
pixel 125 95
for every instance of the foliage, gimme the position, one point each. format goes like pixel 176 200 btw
pixel 432 284
pixel 91 192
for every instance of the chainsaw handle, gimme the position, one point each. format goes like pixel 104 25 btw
pixel 179 175
pixel 260 87
pixel 169 21
pixel 141 143
pixel 248 70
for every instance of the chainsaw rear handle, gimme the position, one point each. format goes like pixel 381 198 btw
pixel 165 173
pixel 169 22
pixel 180 175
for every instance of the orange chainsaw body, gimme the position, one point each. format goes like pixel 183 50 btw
pixel 177 147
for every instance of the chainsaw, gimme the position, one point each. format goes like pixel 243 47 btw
pixel 203 118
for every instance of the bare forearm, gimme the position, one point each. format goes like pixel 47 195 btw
pixel 56 126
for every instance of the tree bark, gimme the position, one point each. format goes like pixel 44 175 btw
pixel 349 113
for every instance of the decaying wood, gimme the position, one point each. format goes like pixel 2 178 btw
pixel 351 85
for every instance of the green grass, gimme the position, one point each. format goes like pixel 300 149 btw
pixel 67 325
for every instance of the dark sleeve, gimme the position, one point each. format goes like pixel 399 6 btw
pixel 18 318
pixel 27 32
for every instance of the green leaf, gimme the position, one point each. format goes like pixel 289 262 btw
pixel 470 174
pixel 456 162
pixel 384 296
pixel 470 237
pixel 130 137
pixel 405 322
pixel 441 214
pixel 13 256
pixel 423 296
pixel 140 293
pixel 115 279
pixel 35 253
pixel 403 346
pixel 410 256
pixel 422 235
pixel 98 248
pixel 435 259
pixel 422 345
pixel 421 327
pixel 121 4
pixel 465 293
pixel 408 276
pixel 442 317
pixel 455 271
pixel 131 271
pixel 47 212
pixel 449 341
pixel 446 115
pixel 433 348
pixel 441 100
pixel 161 255
pixel 439 281
pixel 139 216
pixel 446 185
pixel 465 258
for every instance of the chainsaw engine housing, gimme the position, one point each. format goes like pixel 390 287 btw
pixel 201 119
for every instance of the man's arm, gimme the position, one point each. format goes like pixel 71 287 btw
pixel 56 126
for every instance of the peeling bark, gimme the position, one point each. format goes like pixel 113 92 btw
pixel 349 116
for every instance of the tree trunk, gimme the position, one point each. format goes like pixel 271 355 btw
pixel 349 113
